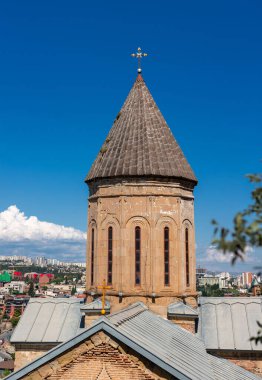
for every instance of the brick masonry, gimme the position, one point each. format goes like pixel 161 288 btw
pixel 23 357
pixel 99 358
pixel 152 206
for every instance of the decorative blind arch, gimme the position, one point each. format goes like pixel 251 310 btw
pixel 137 255
pixel 110 256
pixel 166 256
pixel 92 255
pixel 187 256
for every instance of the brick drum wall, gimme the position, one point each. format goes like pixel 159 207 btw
pixel 151 205
pixel 99 358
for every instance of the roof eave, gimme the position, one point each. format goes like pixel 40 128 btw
pixel 151 176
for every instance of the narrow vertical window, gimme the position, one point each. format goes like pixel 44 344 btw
pixel 138 255
pixel 187 257
pixel 166 255
pixel 110 256
pixel 92 255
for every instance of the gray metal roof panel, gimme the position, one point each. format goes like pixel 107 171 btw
pixel 177 351
pixel 172 344
pixel 48 320
pixel 125 314
pixel 229 323
pixel 179 308
pixel 95 305
pixel 223 368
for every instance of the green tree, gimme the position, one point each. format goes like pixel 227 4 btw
pixel 247 231
pixel 73 291
pixel 6 372
pixel 247 226
pixel 31 291
pixel 15 318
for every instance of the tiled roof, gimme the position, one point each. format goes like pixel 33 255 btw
pixel 140 143
pixel 177 351
pixel 179 308
pixel 48 320
pixel 229 323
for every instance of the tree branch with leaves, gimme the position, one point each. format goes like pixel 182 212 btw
pixel 246 232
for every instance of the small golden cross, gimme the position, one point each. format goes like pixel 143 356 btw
pixel 104 289
pixel 139 55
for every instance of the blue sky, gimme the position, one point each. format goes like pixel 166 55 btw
pixel 65 71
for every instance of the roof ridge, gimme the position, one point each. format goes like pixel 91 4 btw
pixel 128 313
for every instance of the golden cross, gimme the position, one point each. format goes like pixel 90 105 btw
pixel 103 288
pixel 139 55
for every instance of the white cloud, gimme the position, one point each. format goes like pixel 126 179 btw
pixel 215 255
pixel 16 227
pixel 28 236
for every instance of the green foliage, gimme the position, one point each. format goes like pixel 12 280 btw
pixel 247 226
pixel 247 231
pixel 6 372
pixel 258 338
pixel 15 318
pixel 211 291
pixel 73 291
pixel 31 291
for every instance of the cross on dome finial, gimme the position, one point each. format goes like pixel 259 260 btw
pixel 139 55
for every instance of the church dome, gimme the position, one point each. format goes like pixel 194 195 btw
pixel 140 143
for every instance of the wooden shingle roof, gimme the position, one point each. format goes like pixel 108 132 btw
pixel 140 143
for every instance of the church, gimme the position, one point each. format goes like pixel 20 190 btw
pixel 143 318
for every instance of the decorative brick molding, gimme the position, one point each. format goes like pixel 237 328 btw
pixel 99 358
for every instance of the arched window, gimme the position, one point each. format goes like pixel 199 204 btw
pixel 166 255
pixel 187 257
pixel 110 256
pixel 92 255
pixel 137 255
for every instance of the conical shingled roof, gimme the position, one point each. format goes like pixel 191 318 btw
pixel 140 143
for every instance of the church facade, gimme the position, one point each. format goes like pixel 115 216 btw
pixel 141 237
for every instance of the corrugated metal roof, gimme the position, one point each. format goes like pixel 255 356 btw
pixel 48 320
pixel 123 315
pixel 229 323
pixel 165 344
pixel 179 308
pixel 224 369
pixel 174 345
